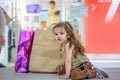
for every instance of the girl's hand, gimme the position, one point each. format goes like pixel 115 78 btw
pixel 68 48
pixel 63 76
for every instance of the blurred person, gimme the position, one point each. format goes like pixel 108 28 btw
pixel 2 30
pixel 53 15
pixel 43 24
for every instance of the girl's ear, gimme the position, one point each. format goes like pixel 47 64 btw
pixel 68 37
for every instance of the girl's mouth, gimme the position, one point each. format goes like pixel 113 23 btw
pixel 59 39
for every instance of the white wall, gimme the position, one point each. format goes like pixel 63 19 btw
pixel 4 51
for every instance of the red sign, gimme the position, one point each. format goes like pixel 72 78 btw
pixel 102 26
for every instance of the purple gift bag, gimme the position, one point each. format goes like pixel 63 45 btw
pixel 24 51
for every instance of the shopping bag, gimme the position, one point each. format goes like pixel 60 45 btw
pixel 45 52
pixel 24 51
pixel 8 19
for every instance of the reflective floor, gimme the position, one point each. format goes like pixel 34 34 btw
pixel 9 74
pixel 98 60
pixel 111 64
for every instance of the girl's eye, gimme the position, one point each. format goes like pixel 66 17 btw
pixel 56 34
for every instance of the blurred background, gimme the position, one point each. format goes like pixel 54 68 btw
pixel 97 22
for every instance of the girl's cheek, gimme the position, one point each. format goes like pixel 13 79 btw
pixel 56 38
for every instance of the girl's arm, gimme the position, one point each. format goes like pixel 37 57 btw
pixel 67 61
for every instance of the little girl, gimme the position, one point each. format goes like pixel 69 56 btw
pixel 75 63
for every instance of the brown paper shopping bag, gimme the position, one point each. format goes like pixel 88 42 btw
pixel 45 52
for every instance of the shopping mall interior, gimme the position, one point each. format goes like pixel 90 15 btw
pixel 96 21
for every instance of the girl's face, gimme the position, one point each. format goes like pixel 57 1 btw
pixel 60 35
